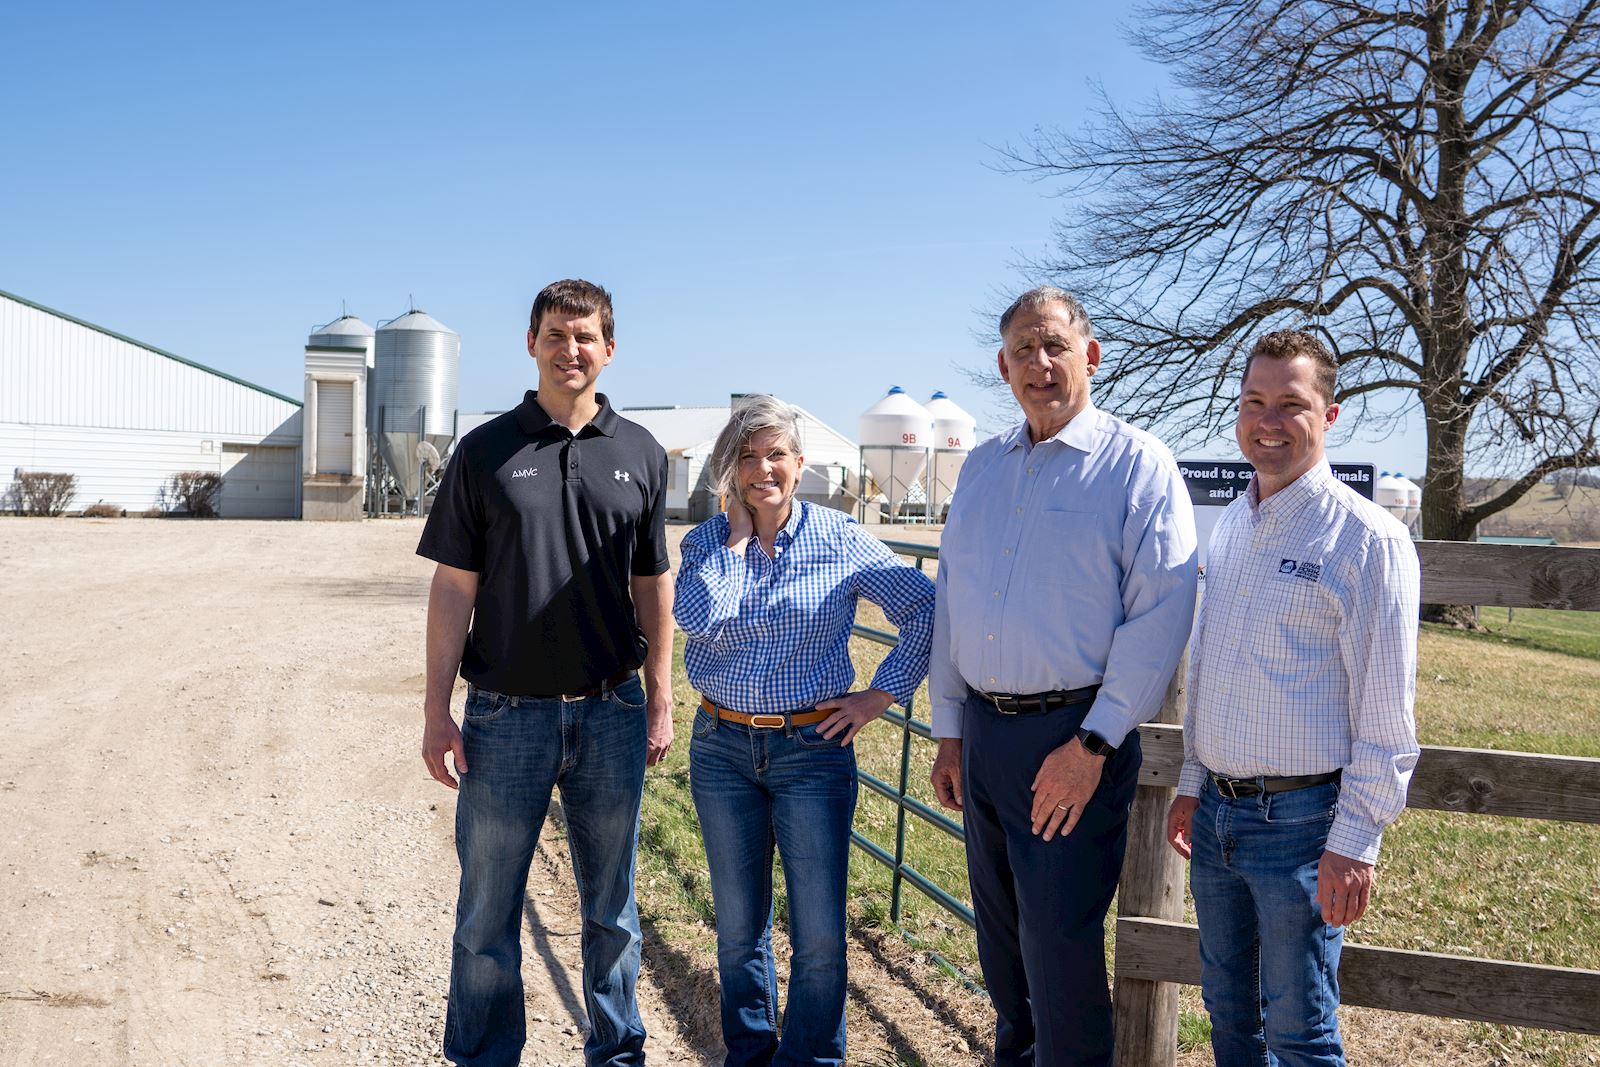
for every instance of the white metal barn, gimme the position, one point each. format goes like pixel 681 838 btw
pixel 687 433
pixel 124 416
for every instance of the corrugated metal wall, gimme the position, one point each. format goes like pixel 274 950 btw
pixel 123 418
pixel 122 467
pixel 56 372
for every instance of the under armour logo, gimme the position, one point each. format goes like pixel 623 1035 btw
pixel 620 476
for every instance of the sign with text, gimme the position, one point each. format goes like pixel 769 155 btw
pixel 1215 484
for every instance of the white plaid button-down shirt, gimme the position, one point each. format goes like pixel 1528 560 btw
pixel 1304 656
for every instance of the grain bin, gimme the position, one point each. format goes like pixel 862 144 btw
pixel 415 366
pixel 896 433
pixel 953 437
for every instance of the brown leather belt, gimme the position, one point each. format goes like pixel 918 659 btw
pixel 599 687
pixel 758 721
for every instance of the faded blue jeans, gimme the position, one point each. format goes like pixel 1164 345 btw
pixel 1269 965
pixel 794 790
pixel 519 749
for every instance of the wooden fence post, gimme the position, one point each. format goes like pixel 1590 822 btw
pixel 1146 1013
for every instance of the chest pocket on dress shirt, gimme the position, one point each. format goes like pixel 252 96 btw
pixel 1297 622
pixel 1061 538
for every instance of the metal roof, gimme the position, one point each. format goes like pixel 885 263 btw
pixel 343 326
pixel 151 348
pixel 415 320
pixel 693 430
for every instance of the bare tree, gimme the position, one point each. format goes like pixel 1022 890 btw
pixel 1414 179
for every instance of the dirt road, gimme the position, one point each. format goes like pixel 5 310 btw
pixel 220 846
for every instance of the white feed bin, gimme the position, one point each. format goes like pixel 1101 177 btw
pixel 896 434
pixel 1413 491
pixel 1389 493
pixel 954 434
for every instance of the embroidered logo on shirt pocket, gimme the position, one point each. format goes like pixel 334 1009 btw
pixel 1307 570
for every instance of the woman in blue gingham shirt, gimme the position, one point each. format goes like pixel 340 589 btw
pixel 767 595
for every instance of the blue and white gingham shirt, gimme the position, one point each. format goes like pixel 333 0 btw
pixel 772 634
pixel 1304 657
pixel 1065 564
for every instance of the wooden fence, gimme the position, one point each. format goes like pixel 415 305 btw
pixel 1155 951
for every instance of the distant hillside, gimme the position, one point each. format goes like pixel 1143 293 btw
pixel 1567 514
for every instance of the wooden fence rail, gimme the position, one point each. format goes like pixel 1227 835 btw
pixel 1154 950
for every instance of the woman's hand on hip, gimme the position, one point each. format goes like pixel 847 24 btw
pixel 851 712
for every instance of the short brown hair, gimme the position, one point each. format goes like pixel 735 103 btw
pixel 574 296
pixel 1296 344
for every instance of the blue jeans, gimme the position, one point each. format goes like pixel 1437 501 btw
pixel 790 788
pixel 1269 965
pixel 518 750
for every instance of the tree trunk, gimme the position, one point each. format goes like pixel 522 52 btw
pixel 1444 504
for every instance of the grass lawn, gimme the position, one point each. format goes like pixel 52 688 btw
pixel 1509 889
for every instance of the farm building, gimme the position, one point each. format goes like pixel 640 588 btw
pixel 123 417
pixel 687 433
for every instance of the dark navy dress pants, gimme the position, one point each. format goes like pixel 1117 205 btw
pixel 1041 905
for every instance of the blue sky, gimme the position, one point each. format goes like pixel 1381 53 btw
pixel 799 199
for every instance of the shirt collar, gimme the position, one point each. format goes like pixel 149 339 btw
pixel 1310 484
pixel 1082 433
pixel 791 529
pixel 535 420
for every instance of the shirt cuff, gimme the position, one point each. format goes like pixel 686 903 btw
pixel 894 683
pixel 1355 838
pixel 1191 779
pixel 1108 725
pixel 946 720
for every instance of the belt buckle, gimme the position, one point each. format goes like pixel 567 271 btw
pixel 1227 787
pixel 767 722
pixel 995 700
pixel 571 698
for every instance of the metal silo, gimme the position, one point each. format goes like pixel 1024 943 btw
pixel 413 393
pixel 349 332
pixel 346 331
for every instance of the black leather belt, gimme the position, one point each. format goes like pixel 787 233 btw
pixel 1238 788
pixel 599 687
pixel 1037 703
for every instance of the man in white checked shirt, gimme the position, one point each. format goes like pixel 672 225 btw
pixel 1299 739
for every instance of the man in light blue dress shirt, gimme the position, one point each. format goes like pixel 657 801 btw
pixel 1066 589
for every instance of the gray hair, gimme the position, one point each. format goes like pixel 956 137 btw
pixel 1043 295
pixel 752 414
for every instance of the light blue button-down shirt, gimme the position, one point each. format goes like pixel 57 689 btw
pixel 1065 564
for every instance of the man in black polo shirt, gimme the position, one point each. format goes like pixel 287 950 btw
pixel 550 535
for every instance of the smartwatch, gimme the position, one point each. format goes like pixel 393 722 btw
pixel 1096 745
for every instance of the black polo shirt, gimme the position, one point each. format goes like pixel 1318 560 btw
pixel 555 524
